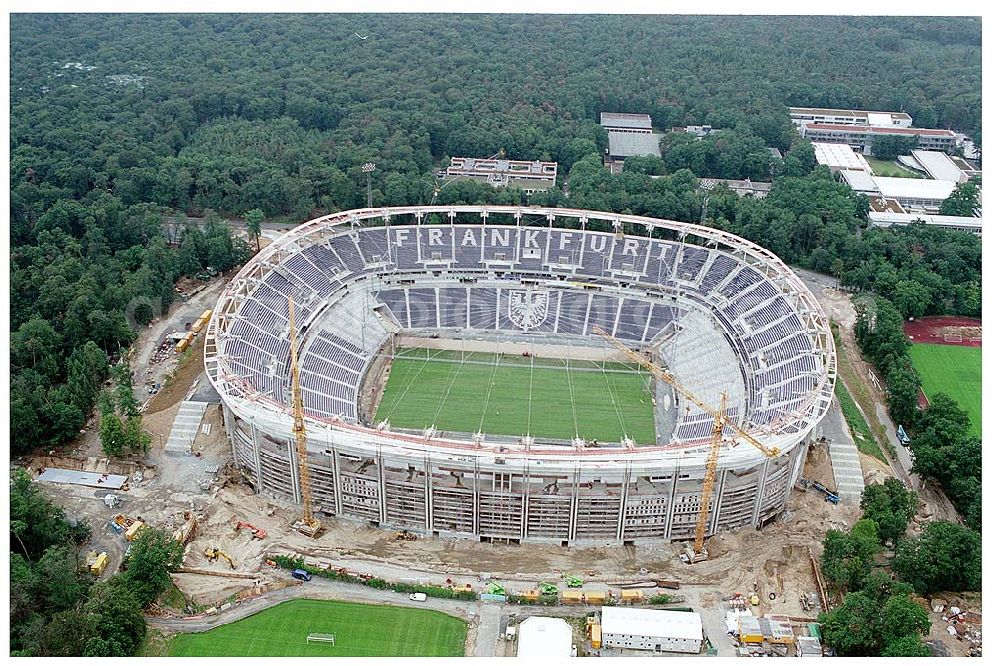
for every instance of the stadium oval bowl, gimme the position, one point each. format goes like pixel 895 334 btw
pixel 721 312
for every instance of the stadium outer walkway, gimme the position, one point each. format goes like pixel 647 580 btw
pixel 843 456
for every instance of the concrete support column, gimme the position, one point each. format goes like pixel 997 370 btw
pixel 626 478
pixel 760 491
pixel 574 504
pixel 429 495
pixel 379 463
pixel 255 440
pixel 293 466
pixel 335 456
pixel 713 525
pixel 668 526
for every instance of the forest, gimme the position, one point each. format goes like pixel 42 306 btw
pixel 122 123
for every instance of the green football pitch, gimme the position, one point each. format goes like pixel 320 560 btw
pixel 514 395
pixel 360 630
pixel 956 371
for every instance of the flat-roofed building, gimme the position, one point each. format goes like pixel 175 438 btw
pixel 744 188
pixel 542 637
pixel 622 145
pixel 639 123
pixel 939 166
pixel 801 115
pixel 892 219
pixel 529 176
pixel 840 157
pixel 911 194
pixel 862 137
pixel 655 630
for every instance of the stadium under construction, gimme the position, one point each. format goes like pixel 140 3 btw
pixel 698 312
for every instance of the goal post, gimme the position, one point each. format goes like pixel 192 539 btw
pixel 329 639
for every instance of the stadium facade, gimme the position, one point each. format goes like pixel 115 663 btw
pixel 720 312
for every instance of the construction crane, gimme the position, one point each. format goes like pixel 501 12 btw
pixel 720 420
pixel 308 526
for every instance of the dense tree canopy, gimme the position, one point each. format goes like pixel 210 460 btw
pixel 945 557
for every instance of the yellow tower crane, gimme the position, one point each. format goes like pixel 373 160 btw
pixel 720 420
pixel 308 525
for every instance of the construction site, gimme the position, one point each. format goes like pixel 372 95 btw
pixel 730 528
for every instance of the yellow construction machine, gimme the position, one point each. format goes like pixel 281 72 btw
pixel 720 421
pixel 215 553
pixel 308 525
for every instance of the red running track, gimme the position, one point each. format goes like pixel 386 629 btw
pixel 934 329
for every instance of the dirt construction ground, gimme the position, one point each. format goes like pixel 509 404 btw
pixel 775 559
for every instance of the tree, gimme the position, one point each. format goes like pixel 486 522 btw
pixel 155 554
pixel 945 557
pixel 112 434
pixel 850 628
pixel 254 218
pixel 118 620
pixel 891 146
pixel 891 506
pixel 847 556
pixel 906 646
pixel 901 616
pixel 963 200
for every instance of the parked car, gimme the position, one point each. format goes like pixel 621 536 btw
pixel 302 575
pixel 418 596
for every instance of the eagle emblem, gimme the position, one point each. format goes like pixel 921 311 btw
pixel 527 309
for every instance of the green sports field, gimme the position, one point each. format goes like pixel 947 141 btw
pixel 361 630
pixel 514 395
pixel 955 370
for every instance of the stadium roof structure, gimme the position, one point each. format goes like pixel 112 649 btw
pixel 243 358
pixel 629 144
pixel 626 120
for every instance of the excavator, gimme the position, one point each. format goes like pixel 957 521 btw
pixel 215 553
pixel 720 421
pixel 255 532
pixel 308 525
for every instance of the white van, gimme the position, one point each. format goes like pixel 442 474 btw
pixel 418 596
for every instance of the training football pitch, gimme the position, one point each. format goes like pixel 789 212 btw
pixel 956 371
pixel 514 395
pixel 361 630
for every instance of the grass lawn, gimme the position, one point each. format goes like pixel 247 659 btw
pixel 862 435
pixel 547 398
pixel 955 370
pixel 890 168
pixel 362 630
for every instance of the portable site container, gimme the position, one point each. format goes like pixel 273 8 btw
pixel 632 596
pixel 597 598
pixel 133 531
pixel 750 631
pixel 572 597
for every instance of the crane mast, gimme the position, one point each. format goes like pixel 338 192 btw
pixel 308 525
pixel 720 420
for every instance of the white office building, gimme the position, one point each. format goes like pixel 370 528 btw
pixel 542 637
pixel 891 219
pixel 655 630
pixel 914 195
pixel 802 115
